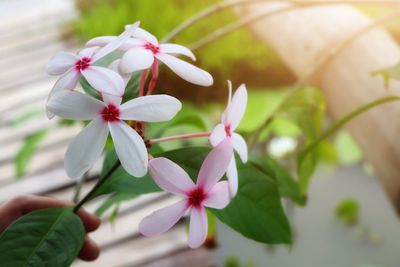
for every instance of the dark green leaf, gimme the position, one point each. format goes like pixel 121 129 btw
pixel 256 212
pixel 88 88
pixel 122 182
pixel 48 238
pixel 26 152
pixel 287 185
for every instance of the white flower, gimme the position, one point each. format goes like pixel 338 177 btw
pixel 144 50
pixel 107 117
pixel 230 120
pixel 207 192
pixel 72 67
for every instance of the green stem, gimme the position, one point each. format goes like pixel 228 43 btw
pixel 97 186
pixel 340 123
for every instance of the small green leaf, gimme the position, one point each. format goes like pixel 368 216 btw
pixel 87 88
pixel 49 237
pixel 256 211
pixel 348 211
pixel 26 152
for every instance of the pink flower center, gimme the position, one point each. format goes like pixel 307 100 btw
pixel 110 113
pixel 228 130
pixel 153 48
pixel 196 197
pixel 83 63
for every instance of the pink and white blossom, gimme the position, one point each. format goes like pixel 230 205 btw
pixel 72 67
pixel 207 192
pixel 108 116
pixel 144 51
pixel 230 120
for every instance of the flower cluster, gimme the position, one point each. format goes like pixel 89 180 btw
pixel 140 51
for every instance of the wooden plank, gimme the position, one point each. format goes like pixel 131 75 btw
pixel 200 257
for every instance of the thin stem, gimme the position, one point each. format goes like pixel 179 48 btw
pixel 143 78
pixel 154 77
pixel 237 25
pixel 97 186
pixel 254 137
pixel 233 3
pixel 344 120
pixel 180 137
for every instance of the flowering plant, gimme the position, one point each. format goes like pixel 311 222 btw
pixel 120 100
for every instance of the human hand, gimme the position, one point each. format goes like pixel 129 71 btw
pixel 22 205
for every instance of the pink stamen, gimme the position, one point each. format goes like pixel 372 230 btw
pixel 196 197
pixel 153 48
pixel 110 113
pixel 228 130
pixel 83 63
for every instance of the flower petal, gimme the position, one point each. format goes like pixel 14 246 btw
pixel 146 36
pixel 116 100
pixel 217 135
pixel 186 71
pixel 218 197
pixel 152 108
pixel 232 175
pixel 66 82
pixel 74 105
pixel 177 49
pixel 61 63
pixel 163 219
pixel 239 144
pixel 114 66
pixel 87 52
pixel 86 148
pixel 198 227
pixel 170 176
pixel 215 165
pixel 130 148
pixel 116 43
pixel 104 40
pixel 237 107
pixel 104 80
pixel 136 59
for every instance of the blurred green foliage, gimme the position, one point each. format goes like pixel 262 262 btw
pixel 348 211
pixel 108 17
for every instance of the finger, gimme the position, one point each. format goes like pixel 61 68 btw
pixel 27 204
pixel 90 221
pixel 90 251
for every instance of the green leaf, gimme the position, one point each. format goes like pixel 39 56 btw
pixel 87 88
pixel 122 182
pixel 348 211
pixel 48 237
pixel 256 211
pixel 26 152
pixel 287 185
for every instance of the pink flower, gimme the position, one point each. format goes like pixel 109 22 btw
pixel 107 117
pixel 230 120
pixel 144 51
pixel 72 67
pixel 207 192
